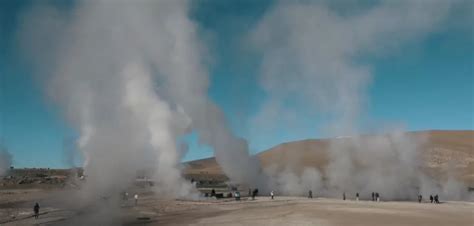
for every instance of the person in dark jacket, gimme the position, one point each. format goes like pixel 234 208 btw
pixel 431 198
pixel 36 209
pixel 254 193
pixel 373 196
pixel 213 193
pixel 310 195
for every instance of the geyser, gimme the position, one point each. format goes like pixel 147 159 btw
pixel 131 79
pixel 5 160
pixel 315 53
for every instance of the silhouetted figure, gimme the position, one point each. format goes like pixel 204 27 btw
pixel 377 197
pixel 420 198
pixel 436 199
pixel 357 196
pixel 237 196
pixel 373 196
pixel 36 209
pixel 254 193
pixel 272 194
pixel 250 192
pixel 310 195
pixel 344 196
pixel 431 198
pixel 213 193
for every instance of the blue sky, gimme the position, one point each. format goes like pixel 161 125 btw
pixel 426 85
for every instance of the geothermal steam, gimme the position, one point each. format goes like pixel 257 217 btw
pixel 130 78
pixel 315 56
pixel 5 160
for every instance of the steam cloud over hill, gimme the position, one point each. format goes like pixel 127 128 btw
pixel 132 79
pixel 313 55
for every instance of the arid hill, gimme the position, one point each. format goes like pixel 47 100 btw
pixel 442 150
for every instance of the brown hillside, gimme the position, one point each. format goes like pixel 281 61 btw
pixel 443 150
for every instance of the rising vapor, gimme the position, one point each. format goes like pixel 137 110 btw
pixel 5 160
pixel 315 56
pixel 132 79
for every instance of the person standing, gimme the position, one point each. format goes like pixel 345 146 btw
pixel 420 198
pixel 254 193
pixel 36 209
pixel 344 196
pixel 213 193
pixel 237 196
pixel 431 198
pixel 357 196
pixel 310 195
pixel 136 199
pixel 272 194
pixel 373 196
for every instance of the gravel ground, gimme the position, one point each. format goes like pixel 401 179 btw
pixel 16 209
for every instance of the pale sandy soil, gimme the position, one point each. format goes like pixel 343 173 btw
pixel 302 211
pixel 263 211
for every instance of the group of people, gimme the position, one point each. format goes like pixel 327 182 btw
pixel 375 197
pixel 254 192
pixel 125 197
pixel 434 199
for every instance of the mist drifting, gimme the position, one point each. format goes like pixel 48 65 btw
pixel 5 160
pixel 316 56
pixel 132 78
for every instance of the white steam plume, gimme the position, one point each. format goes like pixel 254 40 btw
pixel 315 56
pixel 105 64
pixel 131 78
pixel 289 182
pixel 5 160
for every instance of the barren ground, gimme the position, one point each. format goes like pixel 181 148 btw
pixel 16 209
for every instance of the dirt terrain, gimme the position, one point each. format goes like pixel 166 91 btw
pixel 209 211
pixel 57 191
